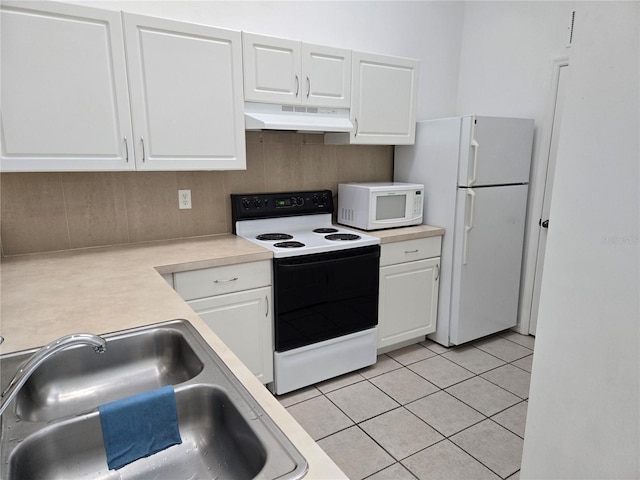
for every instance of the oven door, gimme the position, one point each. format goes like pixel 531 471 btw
pixel 326 295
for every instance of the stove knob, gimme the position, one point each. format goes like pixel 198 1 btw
pixel 325 199
pixel 314 199
pixel 256 203
pixel 300 201
pixel 245 203
pixel 293 201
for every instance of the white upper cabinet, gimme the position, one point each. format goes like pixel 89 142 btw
pixel 65 105
pixel 186 95
pixel 72 100
pixel 271 69
pixel 327 76
pixel 290 72
pixel 383 101
pixel 86 89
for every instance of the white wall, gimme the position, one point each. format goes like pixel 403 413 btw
pixel 507 53
pixel 426 30
pixel 584 408
pixel 506 69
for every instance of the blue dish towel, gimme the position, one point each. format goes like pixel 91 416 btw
pixel 139 426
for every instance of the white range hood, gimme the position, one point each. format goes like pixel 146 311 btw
pixel 263 116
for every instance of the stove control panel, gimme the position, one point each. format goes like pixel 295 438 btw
pixel 289 202
pixel 269 205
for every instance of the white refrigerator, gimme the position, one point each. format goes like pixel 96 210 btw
pixel 475 171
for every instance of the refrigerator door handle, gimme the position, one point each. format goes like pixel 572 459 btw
pixel 471 179
pixel 475 146
pixel 469 225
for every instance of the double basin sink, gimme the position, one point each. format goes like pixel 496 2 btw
pixel 52 428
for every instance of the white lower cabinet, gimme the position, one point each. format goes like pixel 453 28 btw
pixel 243 321
pixel 235 302
pixel 409 281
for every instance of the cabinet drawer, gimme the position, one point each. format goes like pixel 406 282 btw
pixel 208 282
pixel 410 250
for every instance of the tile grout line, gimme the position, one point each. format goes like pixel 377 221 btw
pixel 439 389
pixel 477 459
pixel 443 389
pixel 401 406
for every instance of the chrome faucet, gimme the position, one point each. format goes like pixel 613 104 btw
pixel 28 366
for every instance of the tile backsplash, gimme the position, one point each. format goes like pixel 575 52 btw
pixel 43 212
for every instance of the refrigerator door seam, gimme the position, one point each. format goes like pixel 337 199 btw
pixel 494 185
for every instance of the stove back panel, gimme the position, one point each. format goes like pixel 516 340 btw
pixel 284 204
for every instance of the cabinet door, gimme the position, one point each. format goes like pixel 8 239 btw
pixel 408 301
pixel 186 95
pixel 243 321
pixel 326 75
pixel 271 69
pixel 65 104
pixel 383 101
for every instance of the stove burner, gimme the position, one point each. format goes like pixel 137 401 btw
pixel 342 236
pixel 325 230
pixel 274 236
pixel 289 244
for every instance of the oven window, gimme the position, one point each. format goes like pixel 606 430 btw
pixel 324 296
pixel 390 206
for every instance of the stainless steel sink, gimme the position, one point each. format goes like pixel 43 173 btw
pixel 52 430
pixel 77 380
pixel 211 428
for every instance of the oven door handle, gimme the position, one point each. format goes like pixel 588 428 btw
pixel 291 262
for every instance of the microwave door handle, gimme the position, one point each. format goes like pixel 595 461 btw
pixel 469 225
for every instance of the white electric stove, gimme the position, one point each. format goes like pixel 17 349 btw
pixel 325 285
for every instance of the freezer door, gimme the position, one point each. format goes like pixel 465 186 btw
pixel 487 260
pixel 495 151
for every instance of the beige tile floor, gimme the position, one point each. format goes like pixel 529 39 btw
pixel 425 412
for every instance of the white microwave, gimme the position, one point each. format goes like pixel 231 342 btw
pixel 376 205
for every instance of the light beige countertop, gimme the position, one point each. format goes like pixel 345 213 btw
pixel 102 290
pixel 406 233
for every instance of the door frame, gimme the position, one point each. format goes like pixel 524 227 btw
pixel 535 213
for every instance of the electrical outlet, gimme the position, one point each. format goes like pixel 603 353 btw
pixel 184 199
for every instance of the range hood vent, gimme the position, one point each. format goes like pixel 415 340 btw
pixel 262 116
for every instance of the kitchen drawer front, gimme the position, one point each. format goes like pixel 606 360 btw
pixel 208 282
pixel 410 250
